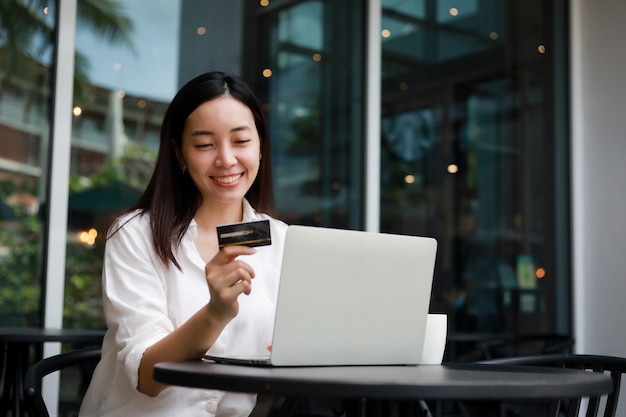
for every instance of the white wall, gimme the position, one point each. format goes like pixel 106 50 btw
pixel 599 174
pixel 598 67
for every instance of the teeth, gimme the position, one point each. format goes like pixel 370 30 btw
pixel 227 180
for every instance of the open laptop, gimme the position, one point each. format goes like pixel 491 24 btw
pixel 350 298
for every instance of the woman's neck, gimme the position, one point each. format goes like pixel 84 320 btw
pixel 209 216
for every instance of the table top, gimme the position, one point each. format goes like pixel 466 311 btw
pixel 448 381
pixel 36 335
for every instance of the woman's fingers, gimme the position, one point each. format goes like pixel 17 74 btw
pixel 229 253
pixel 229 277
pixel 224 265
pixel 239 276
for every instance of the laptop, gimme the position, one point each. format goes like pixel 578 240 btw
pixel 350 298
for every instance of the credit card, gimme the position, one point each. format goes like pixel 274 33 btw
pixel 246 233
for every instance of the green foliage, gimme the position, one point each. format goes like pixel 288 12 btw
pixel 116 170
pixel 83 287
pixel 26 30
pixel 20 241
pixel 21 253
pixel 83 267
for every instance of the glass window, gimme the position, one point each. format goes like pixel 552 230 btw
pixel 124 81
pixel 468 156
pixel 469 146
pixel 311 61
pixel 25 100
pixel 468 153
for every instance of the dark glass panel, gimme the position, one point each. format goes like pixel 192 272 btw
pixel 313 95
pixel 468 156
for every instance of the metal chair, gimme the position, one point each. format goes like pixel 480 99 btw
pixel 611 365
pixel 34 376
pixel 526 345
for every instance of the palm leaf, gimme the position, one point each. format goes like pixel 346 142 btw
pixel 107 19
pixel 21 26
pixel 26 33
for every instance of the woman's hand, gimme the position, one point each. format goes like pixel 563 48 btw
pixel 228 277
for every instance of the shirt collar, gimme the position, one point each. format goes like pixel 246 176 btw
pixel 249 214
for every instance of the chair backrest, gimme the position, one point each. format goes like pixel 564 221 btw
pixel 526 345
pixel 34 376
pixel 612 365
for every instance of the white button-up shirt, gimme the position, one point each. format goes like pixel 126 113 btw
pixel 144 302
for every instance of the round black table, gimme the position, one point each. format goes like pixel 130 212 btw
pixel 17 343
pixel 464 381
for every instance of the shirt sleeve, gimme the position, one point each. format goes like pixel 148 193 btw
pixel 134 294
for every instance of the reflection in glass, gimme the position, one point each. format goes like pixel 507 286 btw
pixel 115 135
pixel 467 151
pixel 427 32
pixel 315 90
pixel 25 80
pixel 470 134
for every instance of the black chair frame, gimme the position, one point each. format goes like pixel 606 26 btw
pixel 34 376
pixel 612 365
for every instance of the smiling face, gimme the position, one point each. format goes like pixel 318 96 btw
pixel 221 150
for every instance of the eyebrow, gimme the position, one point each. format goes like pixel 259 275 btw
pixel 210 132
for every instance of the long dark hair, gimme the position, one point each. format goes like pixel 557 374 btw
pixel 171 197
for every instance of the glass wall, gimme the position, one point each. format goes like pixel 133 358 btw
pixel 125 81
pixel 315 125
pixel 473 139
pixel 468 156
pixel 26 51
pixel 468 148
pixel 310 72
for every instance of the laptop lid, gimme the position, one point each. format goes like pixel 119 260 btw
pixel 352 298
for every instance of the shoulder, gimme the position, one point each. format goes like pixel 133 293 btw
pixel 132 225
pixel 129 239
pixel 133 219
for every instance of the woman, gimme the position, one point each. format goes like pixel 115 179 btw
pixel 170 293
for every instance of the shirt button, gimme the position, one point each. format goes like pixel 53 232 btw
pixel 210 407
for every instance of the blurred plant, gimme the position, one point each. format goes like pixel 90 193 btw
pixel 83 267
pixel 21 251
pixel 20 264
pixel 83 289
pixel 134 168
pixel 26 53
